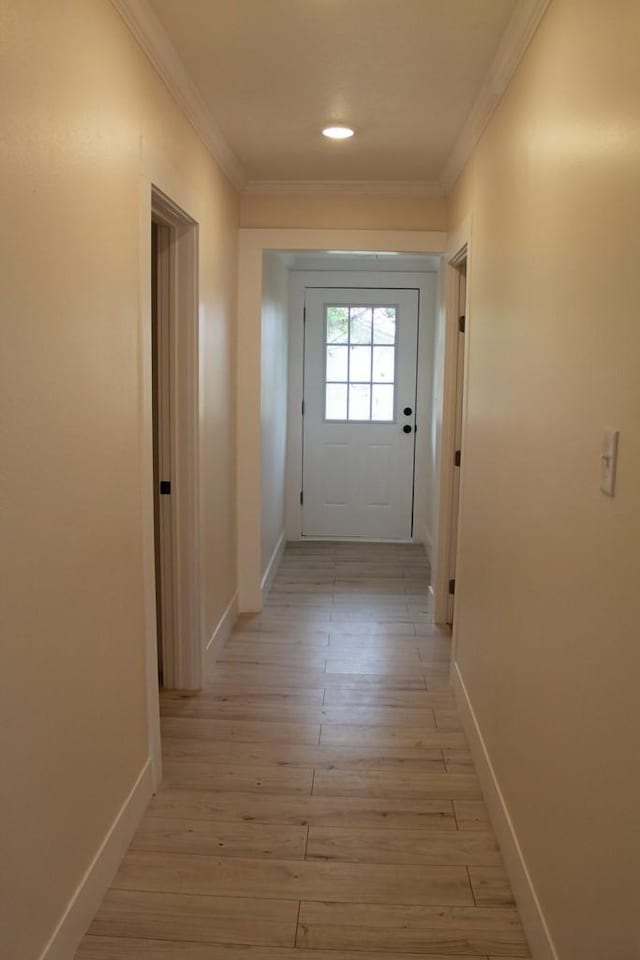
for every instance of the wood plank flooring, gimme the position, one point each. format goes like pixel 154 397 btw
pixel 319 801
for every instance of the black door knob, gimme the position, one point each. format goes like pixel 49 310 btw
pixel 406 428
pixel 407 411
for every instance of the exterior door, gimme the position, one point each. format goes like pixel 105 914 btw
pixel 360 363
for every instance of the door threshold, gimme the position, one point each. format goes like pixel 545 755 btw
pixel 313 539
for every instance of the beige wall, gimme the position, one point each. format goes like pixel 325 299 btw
pixel 77 96
pixel 344 213
pixel 273 407
pixel 548 612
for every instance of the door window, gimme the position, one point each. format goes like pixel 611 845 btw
pixel 360 363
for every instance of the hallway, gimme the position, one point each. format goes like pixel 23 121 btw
pixel 318 793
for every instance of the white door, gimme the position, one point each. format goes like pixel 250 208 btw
pixel 359 413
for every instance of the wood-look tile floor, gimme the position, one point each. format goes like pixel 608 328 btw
pixel 319 801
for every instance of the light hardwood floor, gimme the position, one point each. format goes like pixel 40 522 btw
pixel 319 801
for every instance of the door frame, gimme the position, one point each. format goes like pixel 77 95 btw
pixel 253 244
pixel 181 647
pixel 162 363
pixel 164 194
pixel 425 283
pixel 446 446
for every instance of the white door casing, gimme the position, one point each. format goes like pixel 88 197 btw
pixel 359 444
pixel 180 430
pixel 163 361
pixel 453 361
pixel 458 423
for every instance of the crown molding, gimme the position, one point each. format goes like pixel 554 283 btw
pixel 343 188
pixel 153 39
pixel 156 44
pixel 511 49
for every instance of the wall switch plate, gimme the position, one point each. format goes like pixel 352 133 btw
pixel 609 462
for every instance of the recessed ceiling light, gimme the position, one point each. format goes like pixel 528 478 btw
pixel 338 132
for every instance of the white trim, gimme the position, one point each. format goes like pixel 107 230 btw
pixel 511 50
pixel 272 566
pixel 445 418
pixel 535 925
pixel 155 42
pixel 146 483
pixel 97 879
pixel 164 434
pixel 343 188
pixel 443 553
pixel 222 632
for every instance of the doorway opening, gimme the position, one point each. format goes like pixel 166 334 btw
pixel 361 378
pixel 275 266
pixel 460 266
pixel 359 413
pixel 451 452
pixel 175 412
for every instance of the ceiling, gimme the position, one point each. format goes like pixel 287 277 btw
pixel 272 73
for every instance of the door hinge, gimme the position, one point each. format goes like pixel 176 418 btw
pixel 165 488
pixel 462 323
pixel 304 315
pixel 452 587
pixel 301 498
pixel 457 459
pixel 302 408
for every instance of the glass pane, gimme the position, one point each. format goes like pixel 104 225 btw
pixel 336 401
pixel 360 324
pixel 384 325
pixel 382 402
pixel 383 364
pixel 360 367
pixel 337 359
pixel 337 324
pixel 359 401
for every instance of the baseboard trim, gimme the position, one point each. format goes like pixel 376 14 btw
pixel 272 566
pixel 89 893
pixel 222 632
pixel 540 941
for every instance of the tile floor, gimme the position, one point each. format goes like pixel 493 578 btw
pixel 319 801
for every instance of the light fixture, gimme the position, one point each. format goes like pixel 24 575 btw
pixel 338 132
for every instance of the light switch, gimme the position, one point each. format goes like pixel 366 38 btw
pixel 609 462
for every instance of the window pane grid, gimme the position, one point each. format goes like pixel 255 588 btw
pixel 360 347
